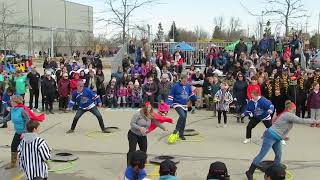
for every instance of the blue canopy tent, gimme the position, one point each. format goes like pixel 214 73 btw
pixel 184 46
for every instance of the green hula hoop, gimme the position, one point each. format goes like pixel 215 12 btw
pixel 98 134
pixel 69 165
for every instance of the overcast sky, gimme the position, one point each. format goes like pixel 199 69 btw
pixel 191 13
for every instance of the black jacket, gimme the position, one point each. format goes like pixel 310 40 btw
pixel 240 91
pixel 49 87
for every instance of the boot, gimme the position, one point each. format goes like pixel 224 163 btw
pixel 238 119
pixel 242 120
pixel 250 172
pixel 13 160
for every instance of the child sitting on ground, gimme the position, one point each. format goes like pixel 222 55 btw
pixel 129 97
pixel 223 98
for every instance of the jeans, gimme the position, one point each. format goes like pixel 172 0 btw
pixel 269 142
pixel 181 124
pixel 94 111
pixel 134 139
pixel 35 93
pixel 315 114
pixel 253 123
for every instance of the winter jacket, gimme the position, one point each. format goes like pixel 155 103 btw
pixel 49 86
pixel 179 95
pixel 74 84
pixel 139 120
pixel 111 92
pixel 314 100
pixel 99 83
pixel 251 88
pixel 86 99
pixel 240 47
pixel 223 99
pixel 136 95
pixel 221 63
pixel 197 81
pixel 240 91
pixel 164 87
pixel 259 109
pixel 264 45
pixel 151 88
pixel 168 177
pixel 211 89
pixel 136 70
pixel 64 87
pixel 265 91
pixel 19 118
pixel 130 172
pixel 122 92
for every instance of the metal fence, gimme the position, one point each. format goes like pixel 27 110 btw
pixel 197 56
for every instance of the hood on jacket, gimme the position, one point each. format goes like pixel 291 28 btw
pixel 168 177
pixel 29 137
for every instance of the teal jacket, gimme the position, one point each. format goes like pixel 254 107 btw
pixel 19 119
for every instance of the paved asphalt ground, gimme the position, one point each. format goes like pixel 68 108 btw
pixel 103 157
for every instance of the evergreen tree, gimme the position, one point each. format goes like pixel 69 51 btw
pixel 173 33
pixel 160 33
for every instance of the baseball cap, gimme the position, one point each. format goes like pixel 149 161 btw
pixel 276 172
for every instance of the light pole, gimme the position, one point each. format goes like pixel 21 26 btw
pixel 52 51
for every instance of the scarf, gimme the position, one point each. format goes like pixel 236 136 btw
pixel 32 115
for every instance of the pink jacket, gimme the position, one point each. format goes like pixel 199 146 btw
pixel 122 92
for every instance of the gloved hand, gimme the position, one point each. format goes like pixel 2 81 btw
pixel 234 99
pixel 242 115
pixel 250 114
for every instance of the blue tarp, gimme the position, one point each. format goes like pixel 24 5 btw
pixel 184 46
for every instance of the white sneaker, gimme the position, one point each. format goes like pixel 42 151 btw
pixel 283 142
pixel 224 126
pixel 218 125
pixel 246 141
pixel 38 110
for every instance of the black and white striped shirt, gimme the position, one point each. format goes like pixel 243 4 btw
pixel 33 153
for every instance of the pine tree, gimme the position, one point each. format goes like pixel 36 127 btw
pixel 173 33
pixel 160 33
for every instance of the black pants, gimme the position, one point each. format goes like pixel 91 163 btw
pixel 15 142
pixel 63 102
pixel 224 116
pixel 22 95
pixel 94 111
pixel 301 109
pixel 133 141
pixel 149 98
pixel 49 102
pixel 34 93
pixel 253 123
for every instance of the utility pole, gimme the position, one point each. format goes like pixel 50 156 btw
pixel 173 27
pixel 318 40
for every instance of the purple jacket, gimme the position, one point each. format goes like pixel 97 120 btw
pixel 314 100
pixel 136 70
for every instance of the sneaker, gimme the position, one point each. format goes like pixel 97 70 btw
pixel 283 142
pixel 249 175
pixel 106 131
pixel 70 131
pixel 246 141
pixel 182 138
pixel 193 111
pixel 224 126
pixel 218 125
pixel 38 110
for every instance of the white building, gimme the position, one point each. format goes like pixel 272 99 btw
pixel 36 21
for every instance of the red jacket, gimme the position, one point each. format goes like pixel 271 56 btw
pixel 74 83
pixel 64 87
pixel 251 88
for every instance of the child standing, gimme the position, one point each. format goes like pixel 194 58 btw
pixel 129 97
pixel 253 86
pixel 111 91
pixel 19 119
pixel 223 98
pixel 64 92
pixel 33 153
pixel 314 101
pixel 122 95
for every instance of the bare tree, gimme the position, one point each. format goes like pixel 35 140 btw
pixel 122 10
pixel 201 33
pixel 71 40
pixel 42 44
pixel 6 29
pixel 88 41
pixel 233 26
pixel 14 41
pixel 219 22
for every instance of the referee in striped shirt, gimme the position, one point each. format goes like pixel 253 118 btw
pixel 33 153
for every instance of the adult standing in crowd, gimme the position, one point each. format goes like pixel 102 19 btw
pixel 34 84
pixel 239 48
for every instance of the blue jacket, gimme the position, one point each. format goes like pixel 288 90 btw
pixel 179 95
pixel 6 100
pixel 130 172
pixel 264 45
pixel 19 119
pixel 86 99
pixel 259 109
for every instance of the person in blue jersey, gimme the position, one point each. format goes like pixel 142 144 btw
pixel 178 98
pixel 259 109
pixel 86 99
